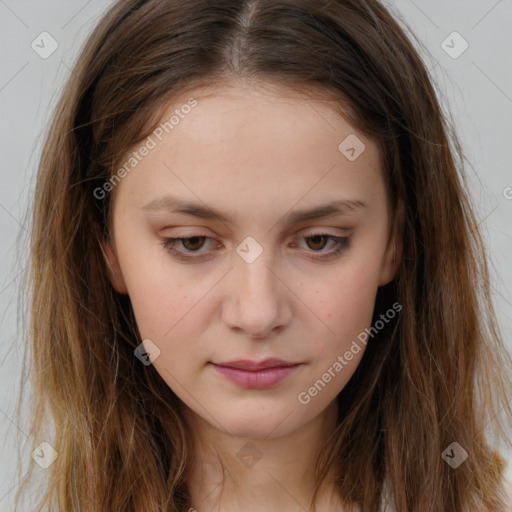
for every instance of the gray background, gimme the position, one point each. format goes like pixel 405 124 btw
pixel 476 88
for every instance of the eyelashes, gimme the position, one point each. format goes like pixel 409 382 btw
pixel 341 244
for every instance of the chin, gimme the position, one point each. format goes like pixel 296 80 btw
pixel 254 426
pixel 255 432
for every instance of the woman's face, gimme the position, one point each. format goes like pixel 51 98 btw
pixel 285 220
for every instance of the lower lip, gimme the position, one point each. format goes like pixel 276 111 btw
pixel 260 379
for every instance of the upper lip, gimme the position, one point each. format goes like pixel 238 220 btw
pixel 246 364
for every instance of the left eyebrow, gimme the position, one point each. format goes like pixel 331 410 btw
pixel 173 204
pixel 335 208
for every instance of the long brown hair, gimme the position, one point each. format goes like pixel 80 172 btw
pixel 438 375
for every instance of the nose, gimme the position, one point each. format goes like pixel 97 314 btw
pixel 257 302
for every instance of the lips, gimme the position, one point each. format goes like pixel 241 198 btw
pixel 254 374
pixel 245 364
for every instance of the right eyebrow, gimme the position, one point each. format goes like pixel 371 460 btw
pixel 172 204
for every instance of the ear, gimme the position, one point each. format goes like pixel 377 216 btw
pixel 394 249
pixel 113 269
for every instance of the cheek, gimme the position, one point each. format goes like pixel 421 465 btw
pixel 164 307
pixel 345 305
pixel 348 297
pixel 162 294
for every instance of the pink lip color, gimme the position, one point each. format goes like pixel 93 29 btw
pixel 249 374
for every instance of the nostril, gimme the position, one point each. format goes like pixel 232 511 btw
pixel 256 336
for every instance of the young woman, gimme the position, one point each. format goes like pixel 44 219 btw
pixel 257 280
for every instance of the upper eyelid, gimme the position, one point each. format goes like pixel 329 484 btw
pixel 318 232
pixel 305 232
pixel 177 239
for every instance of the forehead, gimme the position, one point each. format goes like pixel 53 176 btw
pixel 258 107
pixel 255 146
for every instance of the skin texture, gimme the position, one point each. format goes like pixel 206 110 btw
pixel 255 154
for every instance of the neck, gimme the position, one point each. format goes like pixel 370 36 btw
pixel 268 473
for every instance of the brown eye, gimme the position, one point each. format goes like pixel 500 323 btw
pixel 186 248
pixel 190 248
pixel 317 241
pixel 191 244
